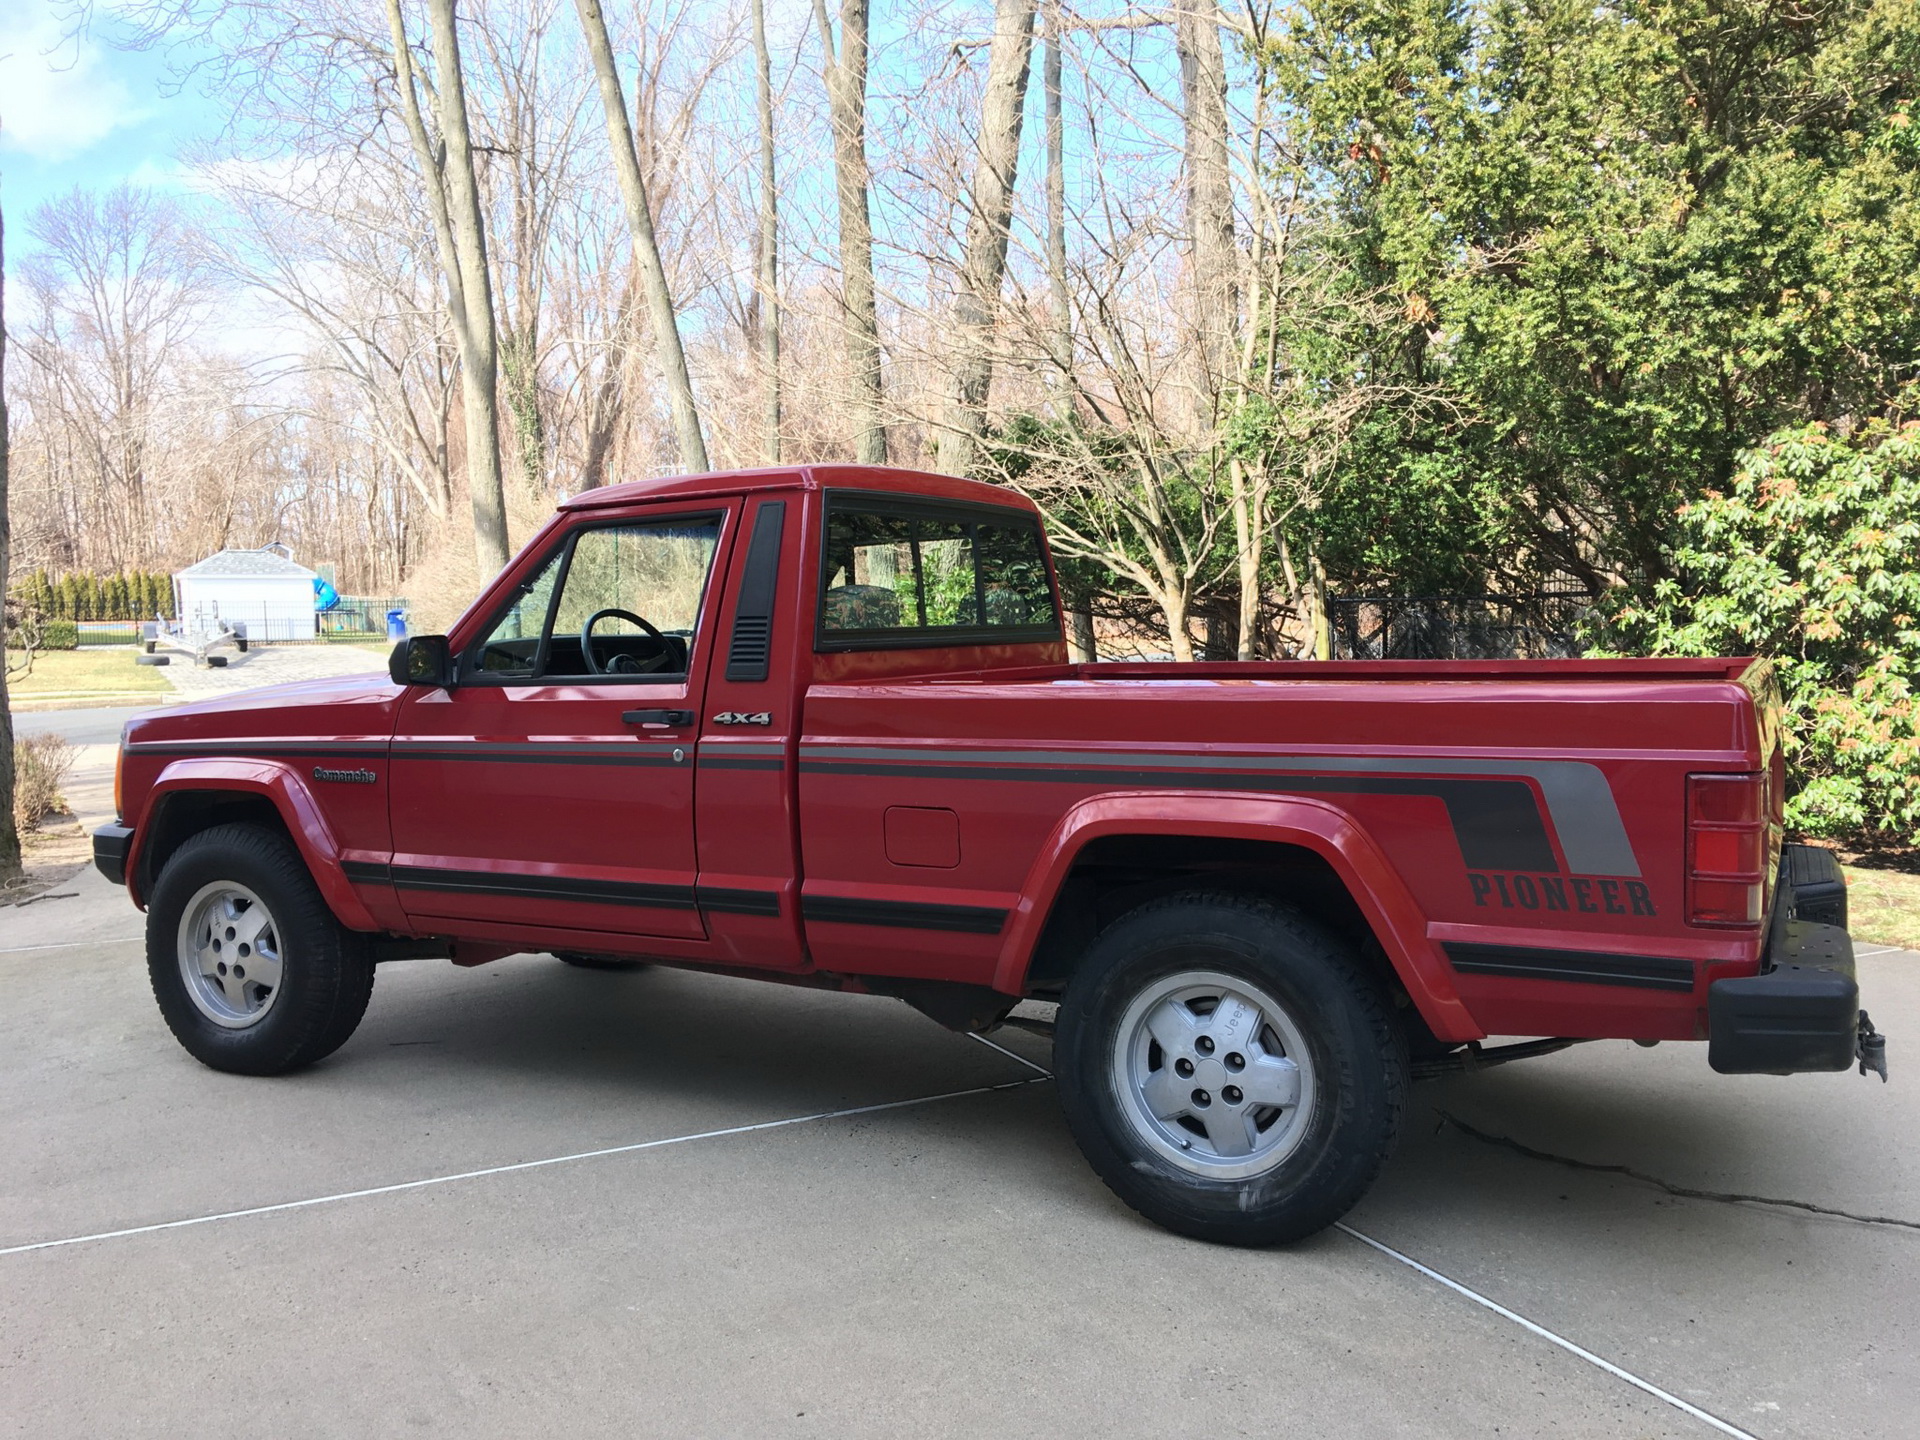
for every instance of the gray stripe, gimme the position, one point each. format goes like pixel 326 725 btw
pixel 720 744
pixel 1577 793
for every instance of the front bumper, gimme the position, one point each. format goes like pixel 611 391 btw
pixel 1802 1011
pixel 110 846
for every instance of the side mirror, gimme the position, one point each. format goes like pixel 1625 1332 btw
pixel 422 660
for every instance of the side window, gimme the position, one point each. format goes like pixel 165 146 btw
pixel 932 575
pixel 619 601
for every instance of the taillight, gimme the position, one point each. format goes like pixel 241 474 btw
pixel 119 776
pixel 1726 848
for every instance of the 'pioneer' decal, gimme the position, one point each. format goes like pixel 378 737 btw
pixel 1589 894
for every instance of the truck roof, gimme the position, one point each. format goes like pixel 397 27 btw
pixel 801 477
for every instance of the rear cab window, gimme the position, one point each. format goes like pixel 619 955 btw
pixel 900 572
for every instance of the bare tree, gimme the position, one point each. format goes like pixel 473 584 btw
pixel 989 214
pixel 9 833
pixel 653 275
pixel 453 194
pixel 118 290
pixel 767 269
pixel 844 67
pixel 1061 348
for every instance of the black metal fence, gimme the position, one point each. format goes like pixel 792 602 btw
pixel 1542 626
pixel 357 619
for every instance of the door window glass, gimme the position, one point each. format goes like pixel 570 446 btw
pixel 638 586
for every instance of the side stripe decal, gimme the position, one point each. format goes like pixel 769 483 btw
pixel 903 914
pixel 563 887
pixel 1585 816
pixel 1496 821
pixel 1579 967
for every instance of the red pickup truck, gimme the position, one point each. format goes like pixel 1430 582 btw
pixel 818 725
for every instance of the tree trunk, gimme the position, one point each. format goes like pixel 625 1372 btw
pixel 646 246
pixel 768 277
pixel 9 835
pixel 1203 88
pixel 479 364
pixel 845 72
pixel 989 214
pixel 453 199
pixel 1062 326
pixel 1081 644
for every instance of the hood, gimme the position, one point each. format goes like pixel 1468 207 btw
pixel 357 704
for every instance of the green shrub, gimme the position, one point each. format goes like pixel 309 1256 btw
pixel 1812 557
pixel 52 635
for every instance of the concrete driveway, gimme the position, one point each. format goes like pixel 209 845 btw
pixel 529 1199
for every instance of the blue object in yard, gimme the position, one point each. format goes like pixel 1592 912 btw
pixel 396 624
pixel 325 597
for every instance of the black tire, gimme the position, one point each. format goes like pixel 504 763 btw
pixel 1343 1021
pixel 216 662
pixel 241 646
pixel 581 960
pixel 149 647
pixel 326 969
pixel 152 659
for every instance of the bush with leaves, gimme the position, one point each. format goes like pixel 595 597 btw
pixel 1812 557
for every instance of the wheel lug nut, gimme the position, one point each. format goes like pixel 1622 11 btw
pixel 1236 1061
pixel 1204 1045
pixel 230 932
pixel 240 973
pixel 245 950
pixel 1231 1095
pixel 222 967
pixel 1183 1068
pixel 1202 1099
pixel 216 946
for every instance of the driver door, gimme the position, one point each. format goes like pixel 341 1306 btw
pixel 553 785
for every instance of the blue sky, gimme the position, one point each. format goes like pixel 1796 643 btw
pixel 80 111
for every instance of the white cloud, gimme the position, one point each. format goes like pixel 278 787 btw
pixel 58 95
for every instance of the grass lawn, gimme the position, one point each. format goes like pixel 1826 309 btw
pixel 1883 907
pixel 65 679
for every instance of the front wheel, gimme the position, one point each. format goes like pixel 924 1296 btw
pixel 1229 1069
pixel 252 972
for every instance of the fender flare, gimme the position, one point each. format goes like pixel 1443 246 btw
pixel 1329 832
pixel 280 784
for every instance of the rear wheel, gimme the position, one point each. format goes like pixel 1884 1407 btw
pixel 251 971
pixel 1229 1069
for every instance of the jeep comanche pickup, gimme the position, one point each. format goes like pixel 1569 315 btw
pixel 818 725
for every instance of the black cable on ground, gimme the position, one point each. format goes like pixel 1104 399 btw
pixel 1683 1191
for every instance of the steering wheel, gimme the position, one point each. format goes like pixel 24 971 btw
pixel 623 664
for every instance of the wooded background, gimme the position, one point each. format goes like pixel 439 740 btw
pixel 1259 301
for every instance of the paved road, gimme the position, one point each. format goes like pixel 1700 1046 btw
pixel 942 1266
pixel 82 727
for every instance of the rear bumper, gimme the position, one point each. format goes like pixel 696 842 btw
pixel 1802 1011
pixel 110 846
pixel 1802 1014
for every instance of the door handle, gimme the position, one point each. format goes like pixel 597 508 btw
pixel 658 718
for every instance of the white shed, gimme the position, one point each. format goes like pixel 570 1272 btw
pixel 261 589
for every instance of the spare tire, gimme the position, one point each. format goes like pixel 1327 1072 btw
pixel 216 662
pixel 152 659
